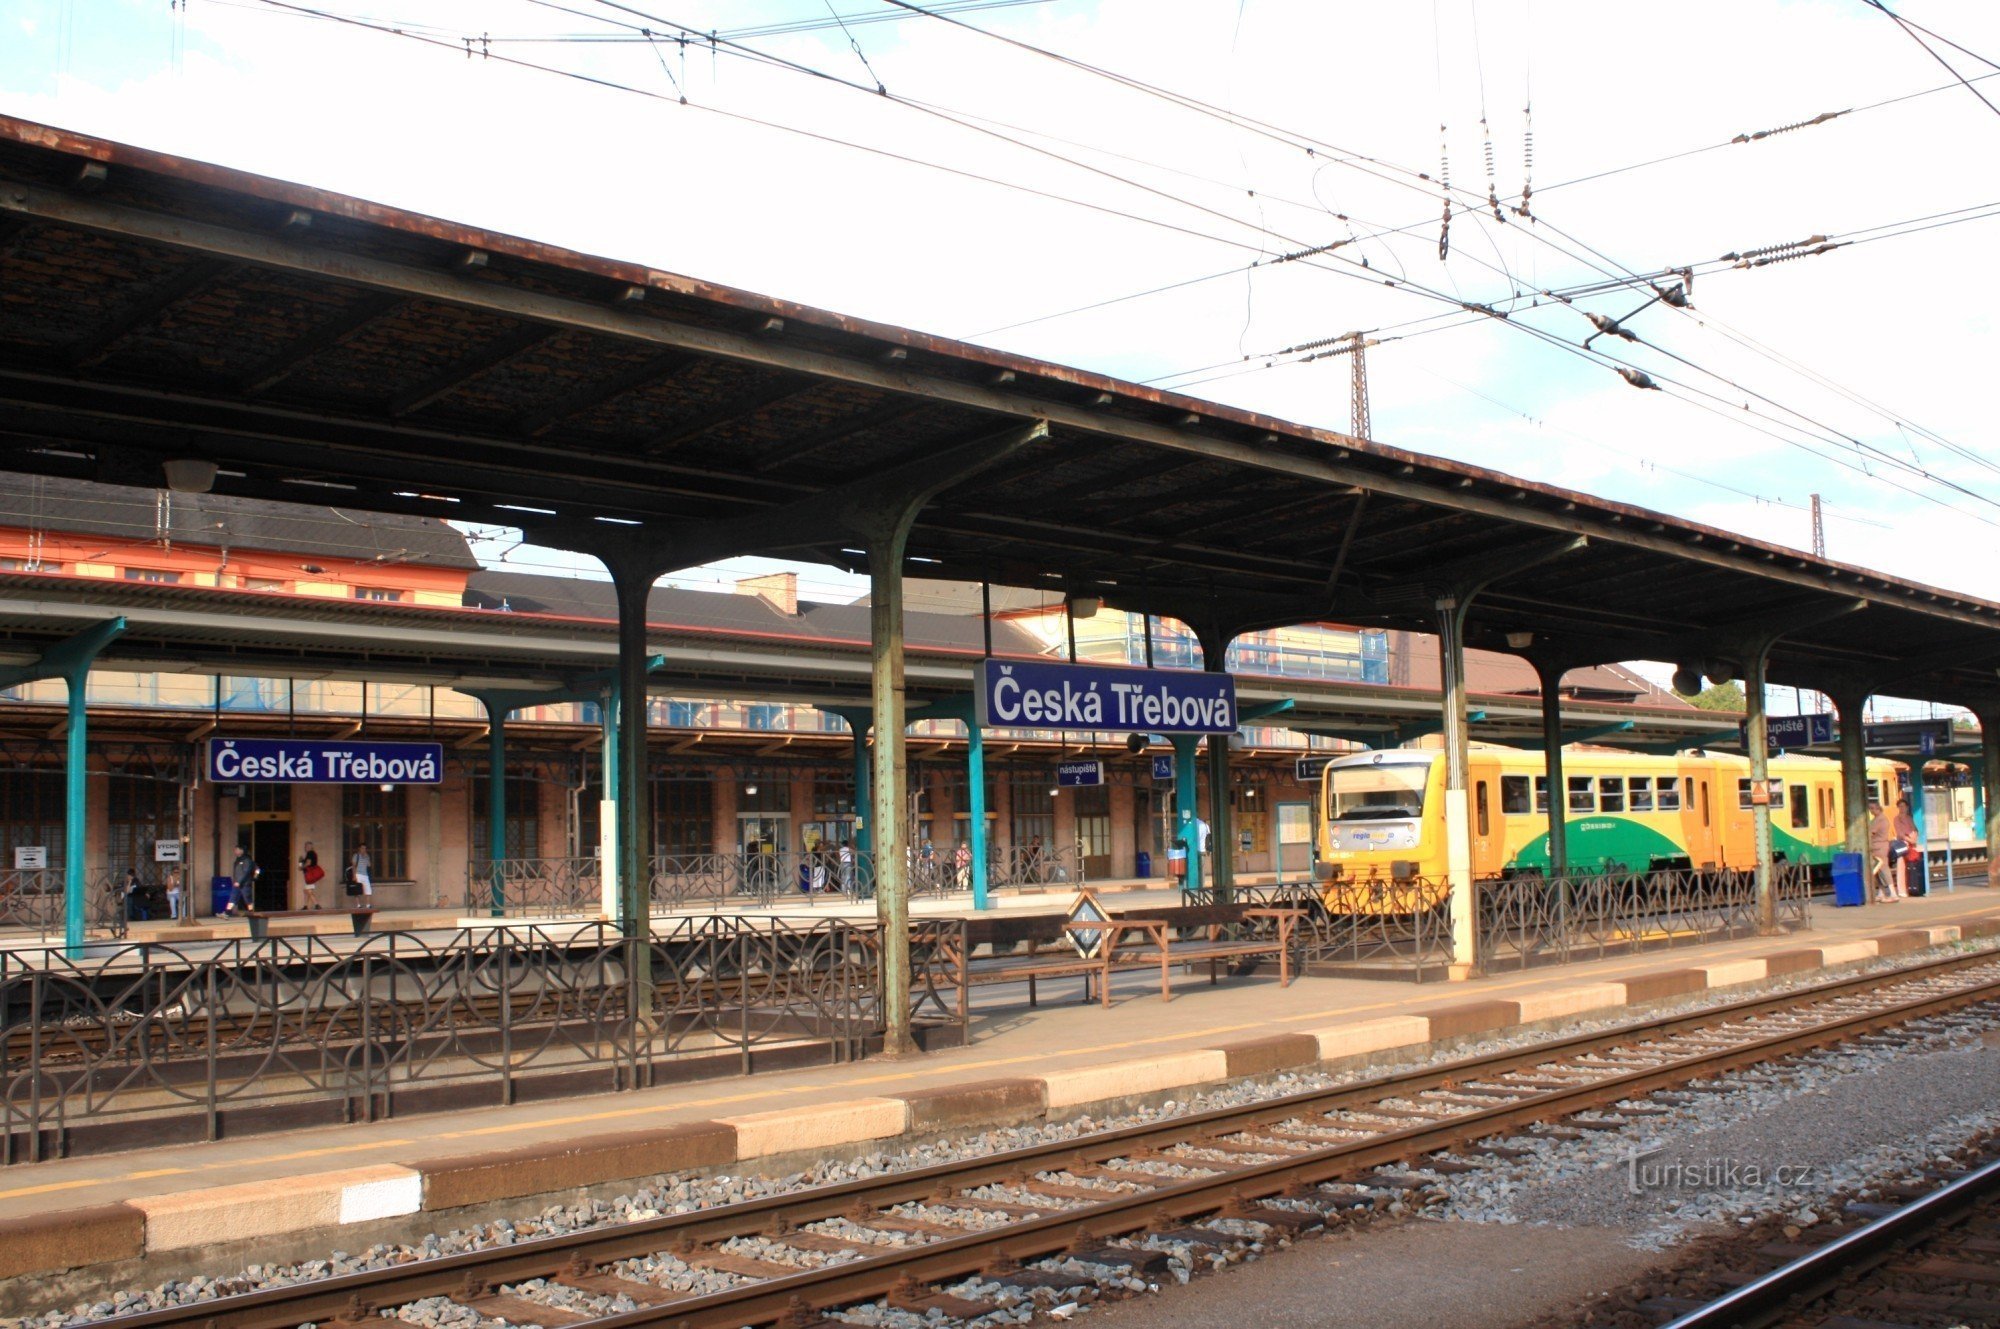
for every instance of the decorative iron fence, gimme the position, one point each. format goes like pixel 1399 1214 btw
pixel 1527 921
pixel 34 900
pixel 157 1043
pixel 1402 927
pixel 1034 866
pixel 549 888
pixel 535 887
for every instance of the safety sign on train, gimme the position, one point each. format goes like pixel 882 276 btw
pixel 323 761
pixel 1050 694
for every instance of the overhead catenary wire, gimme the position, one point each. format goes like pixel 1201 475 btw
pixel 1404 284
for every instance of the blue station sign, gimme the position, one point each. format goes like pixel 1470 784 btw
pixel 1071 774
pixel 323 761
pixel 1794 731
pixel 1050 694
pixel 1163 768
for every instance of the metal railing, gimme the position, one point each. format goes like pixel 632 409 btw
pixel 549 888
pixel 535 887
pixel 1529 920
pixel 34 900
pixel 149 1042
pixel 1402 926
pixel 1045 866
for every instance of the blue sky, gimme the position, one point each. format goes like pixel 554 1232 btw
pixel 1805 350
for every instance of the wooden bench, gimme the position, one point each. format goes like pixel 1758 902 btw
pixel 1037 946
pixel 260 919
pixel 1118 951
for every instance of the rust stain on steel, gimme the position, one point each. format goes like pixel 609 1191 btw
pixel 1284 432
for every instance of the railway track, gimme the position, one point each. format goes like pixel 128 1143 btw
pixel 1932 1261
pixel 967 1238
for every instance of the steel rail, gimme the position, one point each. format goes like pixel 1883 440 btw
pixel 1787 1289
pixel 351 1298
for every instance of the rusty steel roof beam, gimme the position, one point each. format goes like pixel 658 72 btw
pixel 289 359
pixel 469 367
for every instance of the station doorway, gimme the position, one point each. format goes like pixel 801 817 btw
pixel 270 837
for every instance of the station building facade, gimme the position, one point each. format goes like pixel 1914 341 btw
pixel 730 775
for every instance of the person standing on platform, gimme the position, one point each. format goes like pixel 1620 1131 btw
pixel 174 894
pixel 1881 832
pixel 242 871
pixel 310 873
pixel 134 893
pixel 1906 862
pixel 363 869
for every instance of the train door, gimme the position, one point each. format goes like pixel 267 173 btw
pixel 1485 815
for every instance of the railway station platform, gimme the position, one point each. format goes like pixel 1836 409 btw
pixel 153 1212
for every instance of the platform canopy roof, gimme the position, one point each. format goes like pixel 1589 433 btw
pixel 322 348
pixel 718 646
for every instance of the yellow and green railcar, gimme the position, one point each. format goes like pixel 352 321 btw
pixel 1382 813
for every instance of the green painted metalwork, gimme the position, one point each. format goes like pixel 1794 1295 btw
pixel 70 661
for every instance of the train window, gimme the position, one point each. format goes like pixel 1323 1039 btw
pixel 1582 797
pixel 1611 793
pixel 1670 794
pixel 1801 809
pixel 1704 799
pixel 1777 794
pixel 1541 795
pixel 1826 805
pixel 1482 811
pixel 1640 789
pixel 1514 795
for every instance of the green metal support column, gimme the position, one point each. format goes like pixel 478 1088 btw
pixel 859 720
pixel 496 802
pixel 70 661
pixel 634 825
pixel 1849 706
pixel 613 899
pixel 1457 793
pixel 1550 673
pixel 1186 806
pixel 1757 748
pixel 1921 873
pixel 892 779
pixel 1989 785
pixel 975 788
pixel 1215 645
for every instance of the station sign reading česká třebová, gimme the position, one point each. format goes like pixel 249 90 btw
pixel 323 761
pixel 1049 694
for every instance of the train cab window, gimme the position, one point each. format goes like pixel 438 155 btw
pixel 1582 794
pixel 1639 789
pixel 1514 795
pixel 1611 793
pixel 1669 794
pixel 1481 811
pixel 1801 808
pixel 1541 795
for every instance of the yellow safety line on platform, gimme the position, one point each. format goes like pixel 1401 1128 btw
pixel 775 1093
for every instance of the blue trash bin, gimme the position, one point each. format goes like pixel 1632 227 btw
pixel 1145 864
pixel 221 890
pixel 1849 888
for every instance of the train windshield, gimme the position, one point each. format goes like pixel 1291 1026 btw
pixel 1356 793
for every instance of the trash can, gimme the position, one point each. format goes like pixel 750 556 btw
pixel 1177 863
pixel 221 890
pixel 1848 886
pixel 1145 864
